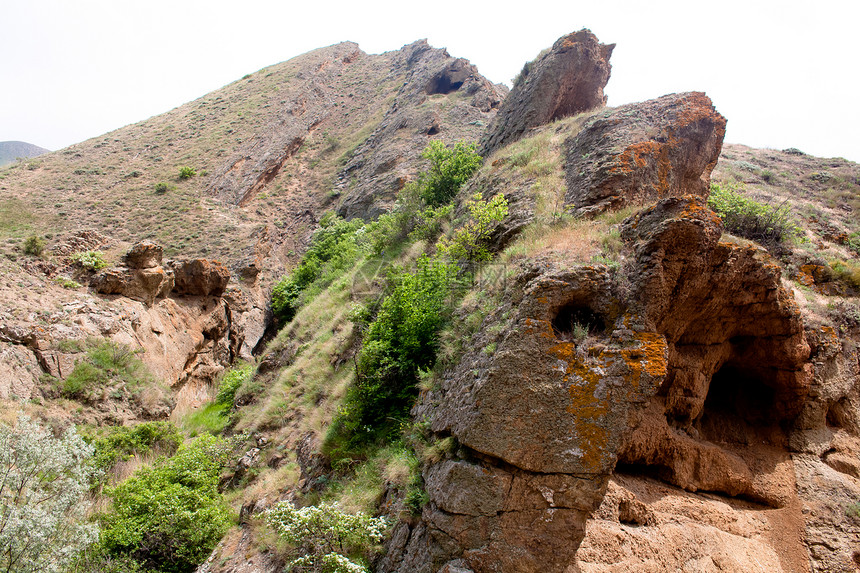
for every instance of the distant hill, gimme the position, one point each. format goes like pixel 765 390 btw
pixel 12 150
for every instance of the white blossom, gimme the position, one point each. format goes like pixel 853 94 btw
pixel 43 491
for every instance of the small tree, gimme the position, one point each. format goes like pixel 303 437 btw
pixel 468 243
pixel 449 169
pixel 43 498
pixel 34 245
pixel 325 538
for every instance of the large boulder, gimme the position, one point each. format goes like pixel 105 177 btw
pixel 567 80
pixel 642 152
pixel 144 255
pixel 144 285
pixel 199 277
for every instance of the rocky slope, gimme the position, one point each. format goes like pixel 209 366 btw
pixel 636 390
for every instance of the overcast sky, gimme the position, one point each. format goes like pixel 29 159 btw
pixel 784 73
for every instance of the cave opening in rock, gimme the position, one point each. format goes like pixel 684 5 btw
pixel 740 391
pixel 443 84
pixel 575 321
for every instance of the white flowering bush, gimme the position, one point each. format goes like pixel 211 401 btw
pixel 43 498
pixel 326 539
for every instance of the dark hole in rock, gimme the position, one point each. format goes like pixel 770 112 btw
pixel 574 321
pixel 837 414
pixel 434 129
pixel 443 84
pixel 739 391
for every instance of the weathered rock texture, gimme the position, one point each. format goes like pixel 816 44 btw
pixel 565 81
pixel 441 98
pixel 640 153
pixel 691 380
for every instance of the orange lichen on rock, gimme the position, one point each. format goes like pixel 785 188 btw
pixel 643 152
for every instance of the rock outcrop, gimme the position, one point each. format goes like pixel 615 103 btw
pixel 199 277
pixel 639 153
pixel 567 80
pixel 690 378
pixel 441 98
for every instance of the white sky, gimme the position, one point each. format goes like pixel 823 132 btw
pixel 784 73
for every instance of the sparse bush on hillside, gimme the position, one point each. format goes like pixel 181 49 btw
pixel 90 260
pixel 848 272
pixel 186 172
pixel 767 224
pixel 161 188
pixel 335 248
pixel 325 538
pixel 449 169
pixel 170 516
pixel 107 366
pixel 34 245
pixel 43 498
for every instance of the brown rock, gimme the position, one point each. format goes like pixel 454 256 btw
pixel 565 81
pixel 144 255
pixel 144 285
pixel 199 277
pixel 642 152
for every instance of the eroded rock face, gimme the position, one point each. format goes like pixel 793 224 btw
pixel 643 152
pixel 442 98
pixel 144 255
pixel 200 277
pixel 567 80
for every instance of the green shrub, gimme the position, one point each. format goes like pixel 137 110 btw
pixel 186 172
pixel 232 380
pixel 767 224
pixel 325 538
pixel 468 243
pixel 401 341
pixel 334 248
pixel 90 260
pixel 449 169
pixel 34 245
pixel 170 516
pixel 120 443
pixel 161 188
pixel 106 365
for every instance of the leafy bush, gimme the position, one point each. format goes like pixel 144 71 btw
pixel 468 243
pixel 233 379
pixel 161 188
pixel 43 498
pixel 34 245
pixel 106 365
pixel 90 260
pixel 170 516
pixel 121 443
pixel 186 172
pixel 767 224
pixel 853 242
pixel 334 248
pixel 325 538
pixel 449 169
pixel 401 341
